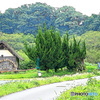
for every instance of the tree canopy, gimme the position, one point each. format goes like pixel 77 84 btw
pixel 27 18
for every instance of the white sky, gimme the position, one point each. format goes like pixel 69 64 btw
pixel 87 7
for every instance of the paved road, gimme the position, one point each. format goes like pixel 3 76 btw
pixel 3 82
pixel 46 92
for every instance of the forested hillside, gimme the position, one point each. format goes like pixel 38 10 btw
pixel 92 39
pixel 17 40
pixel 27 18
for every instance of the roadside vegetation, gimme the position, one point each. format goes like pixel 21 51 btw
pixel 93 86
pixel 30 78
pixel 90 68
pixel 26 84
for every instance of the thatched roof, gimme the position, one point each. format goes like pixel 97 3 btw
pixel 10 49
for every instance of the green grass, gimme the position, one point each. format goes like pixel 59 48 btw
pixel 22 85
pixel 33 74
pixel 92 86
pixel 91 68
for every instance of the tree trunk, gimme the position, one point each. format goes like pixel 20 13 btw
pixel 55 69
pixel 47 69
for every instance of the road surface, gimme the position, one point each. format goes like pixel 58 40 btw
pixel 46 92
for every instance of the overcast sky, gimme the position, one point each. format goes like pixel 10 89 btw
pixel 87 7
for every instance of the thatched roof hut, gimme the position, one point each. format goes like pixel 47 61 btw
pixel 9 59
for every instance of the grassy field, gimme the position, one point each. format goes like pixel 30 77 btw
pixel 34 73
pixel 93 86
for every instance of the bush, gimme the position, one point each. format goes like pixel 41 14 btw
pixel 27 65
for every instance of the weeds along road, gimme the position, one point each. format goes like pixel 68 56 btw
pixel 8 81
pixel 46 92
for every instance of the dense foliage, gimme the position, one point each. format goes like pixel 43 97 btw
pixel 27 18
pixel 74 53
pixel 92 39
pixel 55 52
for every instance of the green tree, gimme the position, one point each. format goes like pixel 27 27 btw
pixel 74 53
pixel 54 53
pixel 65 49
pixel 47 48
pixel 77 55
pixel 48 45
